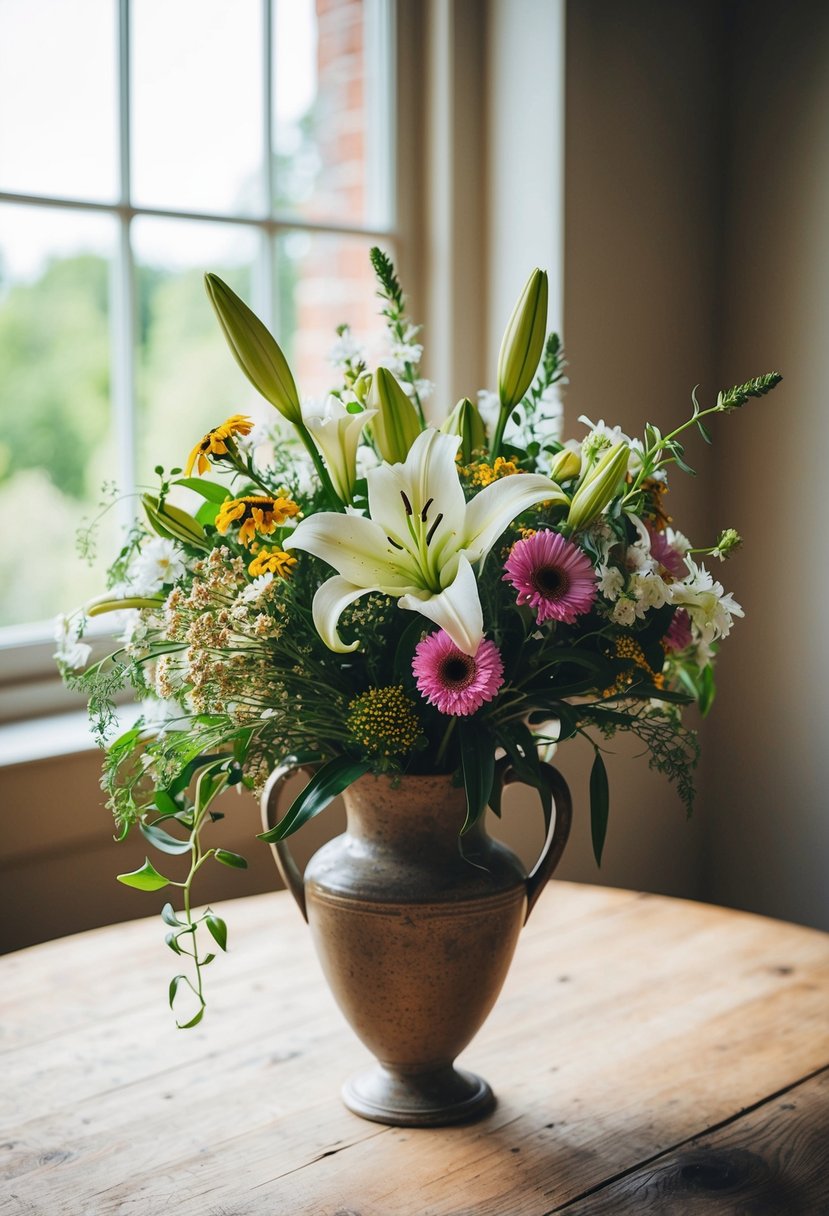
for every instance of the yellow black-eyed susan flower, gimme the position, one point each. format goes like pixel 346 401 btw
pixel 272 561
pixel 214 443
pixel 256 514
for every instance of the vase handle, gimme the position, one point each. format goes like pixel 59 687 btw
pixel 556 836
pixel 282 855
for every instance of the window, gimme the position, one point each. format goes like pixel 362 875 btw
pixel 143 142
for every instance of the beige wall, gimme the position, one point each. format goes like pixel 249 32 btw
pixel 768 843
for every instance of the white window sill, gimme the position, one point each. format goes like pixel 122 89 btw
pixel 46 738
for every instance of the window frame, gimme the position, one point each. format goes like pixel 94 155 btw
pixel 29 683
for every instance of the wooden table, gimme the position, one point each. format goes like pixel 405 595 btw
pixel 649 1055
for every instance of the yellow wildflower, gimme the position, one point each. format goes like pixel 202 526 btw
pixel 272 561
pixel 214 443
pixel 255 514
pixel 483 474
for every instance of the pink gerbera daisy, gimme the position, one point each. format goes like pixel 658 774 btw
pixel 455 682
pixel 552 575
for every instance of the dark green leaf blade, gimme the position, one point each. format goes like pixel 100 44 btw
pixel 217 929
pixel 323 788
pixel 599 806
pixel 477 768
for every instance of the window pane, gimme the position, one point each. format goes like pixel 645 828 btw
pixel 56 442
pixel 197 104
pixel 323 126
pixel 325 281
pixel 58 98
pixel 188 380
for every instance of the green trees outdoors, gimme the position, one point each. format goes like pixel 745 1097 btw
pixel 58 443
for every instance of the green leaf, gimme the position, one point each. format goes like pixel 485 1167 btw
pixel 194 1021
pixel 218 929
pixel 478 768
pixel 165 803
pixel 707 690
pixel 599 806
pixel 207 513
pixel 147 878
pixel 230 859
pixel 168 915
pixel 208 489
pixel 172 941
pixel 173 989
pixel 329 781
pixel 163 840
pixel 704 431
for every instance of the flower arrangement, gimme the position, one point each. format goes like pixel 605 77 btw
pixel 369 593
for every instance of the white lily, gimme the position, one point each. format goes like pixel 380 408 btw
pixel 336 432
pixel 420 542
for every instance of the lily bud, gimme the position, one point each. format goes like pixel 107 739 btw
pixel 566 465
pixel 599 486
pixel 466 421
pixel 396 425
pixel 254 349
pixel 523 341
pixel 362 387
pixel 173 523
pixel 111 603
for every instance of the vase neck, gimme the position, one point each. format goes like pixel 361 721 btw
pixel 412 814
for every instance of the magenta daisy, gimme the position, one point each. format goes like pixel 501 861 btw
pixel 455 682
pixel 552 575
pixel 679 631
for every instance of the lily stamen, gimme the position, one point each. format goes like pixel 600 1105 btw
pixel 406 503
pixel 433 528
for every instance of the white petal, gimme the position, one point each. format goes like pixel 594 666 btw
pixel 429 480
pixel 497 505
pixel 330 601
pixel 457 609
pixel 357 548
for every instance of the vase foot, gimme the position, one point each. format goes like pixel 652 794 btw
pixel 429 1099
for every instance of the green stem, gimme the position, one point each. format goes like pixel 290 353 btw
pixel 500 427
pixel 445 741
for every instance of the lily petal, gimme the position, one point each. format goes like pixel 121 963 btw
pixel 457 609
pixel 357 548
pixel 429 480
pixel 330 601
pixel 497 505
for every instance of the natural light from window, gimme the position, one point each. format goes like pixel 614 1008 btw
pixel 121 125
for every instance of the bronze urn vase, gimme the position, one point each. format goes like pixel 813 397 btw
pixel 415 936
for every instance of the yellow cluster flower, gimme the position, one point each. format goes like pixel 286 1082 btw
pixel 384 722
pixel 255 515
pixel 483 474
pixel 214 443
pixel 626 647
pixel 272 561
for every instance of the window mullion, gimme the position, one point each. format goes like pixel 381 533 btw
pixel 123 303
pixel 264 286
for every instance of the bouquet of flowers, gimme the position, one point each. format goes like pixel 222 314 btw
pixel 365 592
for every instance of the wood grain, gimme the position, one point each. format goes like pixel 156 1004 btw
pixel 629 1025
